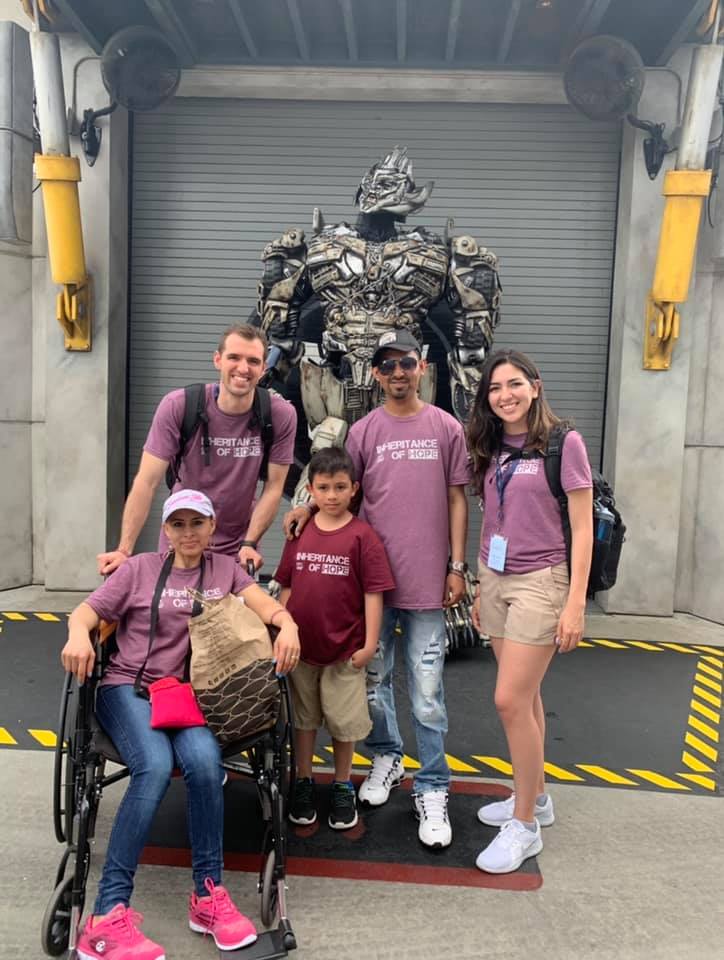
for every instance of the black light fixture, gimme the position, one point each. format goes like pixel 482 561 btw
pixel 604 79
pixel 140 71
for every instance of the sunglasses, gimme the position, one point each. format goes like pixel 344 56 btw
pixel 405 363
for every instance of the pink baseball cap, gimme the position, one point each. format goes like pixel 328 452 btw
pixel 187 500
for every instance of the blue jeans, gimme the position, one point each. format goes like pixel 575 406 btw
pixel 423 646
pixel 151 756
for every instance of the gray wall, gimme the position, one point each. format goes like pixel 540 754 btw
pixel 15 307
pixel 700 571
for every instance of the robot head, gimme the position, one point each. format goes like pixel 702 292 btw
pixel 388 186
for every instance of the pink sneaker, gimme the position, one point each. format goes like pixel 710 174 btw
pixel 117 937
pixel 217 915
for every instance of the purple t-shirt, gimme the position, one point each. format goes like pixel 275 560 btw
pixel 236 452
pixel 126 597
pixel 405 466
pixel 531 516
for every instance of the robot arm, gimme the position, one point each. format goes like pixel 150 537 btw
pixel 473 293
pixel 283 290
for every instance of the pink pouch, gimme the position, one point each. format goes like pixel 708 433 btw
pixel 174 705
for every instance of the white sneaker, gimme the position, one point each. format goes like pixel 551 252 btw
pixel 386 772
pixel 431 810
pixel 498 813
pixel 514 844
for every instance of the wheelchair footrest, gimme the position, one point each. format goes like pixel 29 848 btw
pixel 267 946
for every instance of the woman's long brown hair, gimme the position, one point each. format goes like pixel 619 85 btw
pixel 485 429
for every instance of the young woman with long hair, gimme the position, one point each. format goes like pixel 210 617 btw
pixel 528 603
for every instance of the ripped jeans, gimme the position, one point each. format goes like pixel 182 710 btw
pixel 423 646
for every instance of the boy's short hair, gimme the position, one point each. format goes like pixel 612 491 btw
pixel 331 460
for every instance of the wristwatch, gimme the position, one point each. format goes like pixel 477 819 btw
pixel 249 543
pixel 457 566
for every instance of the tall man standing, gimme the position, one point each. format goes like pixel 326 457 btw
pixel 411 460
pixel 235 453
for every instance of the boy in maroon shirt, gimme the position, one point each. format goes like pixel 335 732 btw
pixel 332 577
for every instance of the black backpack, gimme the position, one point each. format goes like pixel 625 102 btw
pixel 608 534
pixel 195 417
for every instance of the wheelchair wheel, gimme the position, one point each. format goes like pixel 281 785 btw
pixel 63 773
pixel 268 890
pixel 55 929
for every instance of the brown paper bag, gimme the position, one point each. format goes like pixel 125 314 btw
pixel 232 671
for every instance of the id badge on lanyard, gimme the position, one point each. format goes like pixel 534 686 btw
pixel 498 543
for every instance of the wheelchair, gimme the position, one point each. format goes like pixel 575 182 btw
pixel 80 777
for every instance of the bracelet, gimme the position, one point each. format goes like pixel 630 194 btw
pixel 249 543
pixel 279 610
pixel 457 573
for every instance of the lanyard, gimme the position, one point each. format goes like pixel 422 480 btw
pixel 503 476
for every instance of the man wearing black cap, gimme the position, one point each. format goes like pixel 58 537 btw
pixel 411 460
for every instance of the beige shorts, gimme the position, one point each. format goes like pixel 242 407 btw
pixel 523 606
pixel 336 696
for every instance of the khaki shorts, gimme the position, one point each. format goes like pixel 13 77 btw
pixel 523 606
pixel 336 696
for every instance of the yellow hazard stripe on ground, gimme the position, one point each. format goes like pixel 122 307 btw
pixel 503 766
pixel 696 743
pixel 666 783
pixel 701 781
pixel 706 728
pixel 6 738
pixel 611 644
pixel 46 738
pixel 706 667
pixel 694 763
pixel 708 682
pixel 705 711
pixel 610 776
pixel 44 617
pixel 708 696
pixel 560 773
pixel 716 653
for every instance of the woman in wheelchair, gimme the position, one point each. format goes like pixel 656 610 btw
pixel 112 931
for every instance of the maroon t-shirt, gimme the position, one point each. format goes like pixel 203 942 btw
pixel 329 572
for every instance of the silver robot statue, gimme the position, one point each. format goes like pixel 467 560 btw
pixel 379 274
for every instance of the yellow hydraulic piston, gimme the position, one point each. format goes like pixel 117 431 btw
pixel 684 191
pixel 59 176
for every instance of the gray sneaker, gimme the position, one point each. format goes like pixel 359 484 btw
pixel 386 772
pixel 500 812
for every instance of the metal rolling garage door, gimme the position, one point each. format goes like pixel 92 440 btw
pixel 215 180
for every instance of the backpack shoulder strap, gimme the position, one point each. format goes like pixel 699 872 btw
pixel 262 417
pixel 553 454
pixel 194 415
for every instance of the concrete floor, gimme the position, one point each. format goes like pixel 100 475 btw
pixel 627 875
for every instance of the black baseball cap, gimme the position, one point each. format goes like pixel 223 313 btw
pixel 400 339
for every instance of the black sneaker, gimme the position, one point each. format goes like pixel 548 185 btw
pixel 343 806
pixel 303 809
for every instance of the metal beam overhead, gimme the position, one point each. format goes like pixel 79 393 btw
pixel 452 29
pixel 509 30
pixel 80 25
pixel 299 34
pixel 685 28
pixel 170 23
pixel 401 30
pixel 349 29
pixel 238 15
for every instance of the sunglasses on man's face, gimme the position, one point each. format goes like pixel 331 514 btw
pixel 405 363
